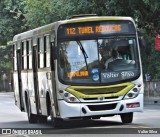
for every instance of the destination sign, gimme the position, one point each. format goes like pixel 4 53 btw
pixel 99 28
pixel 93 29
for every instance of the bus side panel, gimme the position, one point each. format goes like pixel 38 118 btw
pixel 24 86
pixel 31 92
pixel 43 87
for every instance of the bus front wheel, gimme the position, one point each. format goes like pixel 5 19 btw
pixel 127 117
pixel 42 119
pixel 56 122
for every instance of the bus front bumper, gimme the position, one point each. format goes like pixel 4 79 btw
pixel 71 110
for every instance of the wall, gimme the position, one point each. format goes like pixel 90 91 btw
pixel 152 91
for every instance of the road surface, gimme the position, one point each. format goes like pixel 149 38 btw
pixel 147 121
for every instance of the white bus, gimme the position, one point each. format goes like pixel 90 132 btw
pixel 81 67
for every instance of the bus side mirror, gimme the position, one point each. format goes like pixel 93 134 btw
pixel 141 40
pixel 53 51
pixel 148 77
pixel 53 55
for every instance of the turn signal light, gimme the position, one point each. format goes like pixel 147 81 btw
pixel 133 105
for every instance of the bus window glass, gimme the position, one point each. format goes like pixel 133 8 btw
pixel 15 58
pixel 22 50
pixel 25 55
pixel 30 54
pixel 47 51
pixel 41 52
pixel 27 47
pixel 98 61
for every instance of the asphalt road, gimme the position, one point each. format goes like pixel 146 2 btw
pixel 147 123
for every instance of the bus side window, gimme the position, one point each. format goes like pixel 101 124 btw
pixel 40 52
pixel 24 52
pixel 47 51
pixel 22 62
pixel 14 58
pixel 29 54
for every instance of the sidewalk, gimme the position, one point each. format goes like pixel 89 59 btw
pixel 152 100
pixel 6 93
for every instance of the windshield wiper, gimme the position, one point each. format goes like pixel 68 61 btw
pixel 83 51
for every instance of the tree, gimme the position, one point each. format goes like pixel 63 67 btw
pixel 146 13
pixel 12 22
pixel 17 16
pixel 47 11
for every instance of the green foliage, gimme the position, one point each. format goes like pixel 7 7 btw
pixel 38 13
pixel 46 11
pixel 12 22
pixel 6 58
pixel 17 16
pixel 12 19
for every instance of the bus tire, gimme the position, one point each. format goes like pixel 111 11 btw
pixel 127 117
pixel 56 122
pixel 32 118
pixel 42 119
pixel 96 117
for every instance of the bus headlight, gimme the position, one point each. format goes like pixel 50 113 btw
pixel 68 97
pixel 132 93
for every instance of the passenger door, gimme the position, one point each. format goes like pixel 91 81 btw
pixel 35 77
pixel 19 68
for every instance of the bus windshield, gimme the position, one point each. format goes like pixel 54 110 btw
pixel 103 60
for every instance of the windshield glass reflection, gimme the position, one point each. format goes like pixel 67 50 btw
pixel 98 61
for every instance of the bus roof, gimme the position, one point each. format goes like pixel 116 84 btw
pixel 28 34
pixel 98 18
pixel 48 28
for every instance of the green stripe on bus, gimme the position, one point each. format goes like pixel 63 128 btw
pixel 76 90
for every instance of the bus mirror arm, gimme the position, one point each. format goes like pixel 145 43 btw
pixel 54 51
pixel 142 42
pixel 53 55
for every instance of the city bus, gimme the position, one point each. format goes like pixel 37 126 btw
pixel 84 67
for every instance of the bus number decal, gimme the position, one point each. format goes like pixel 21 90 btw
pixel 127 74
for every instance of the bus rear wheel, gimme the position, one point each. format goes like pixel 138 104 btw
pixel 32 118
pixel 127 117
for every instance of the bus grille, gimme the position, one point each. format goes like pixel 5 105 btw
pixel 102 107
pixel 95 91
pixel 104 98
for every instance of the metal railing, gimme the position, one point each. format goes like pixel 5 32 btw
pixel 152 91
